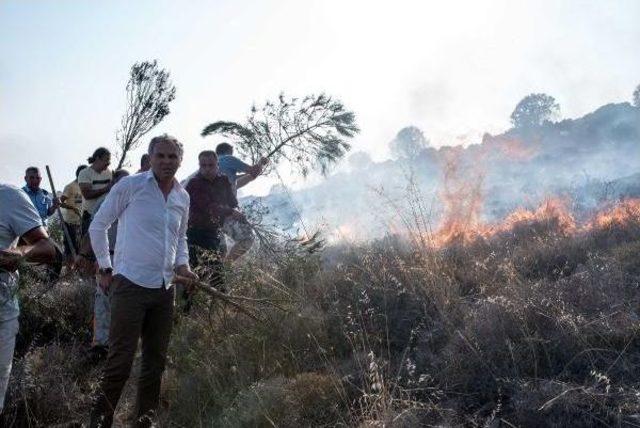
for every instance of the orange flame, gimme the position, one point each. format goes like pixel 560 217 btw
pixel 621 214
pixel 552 214
pixel 462 199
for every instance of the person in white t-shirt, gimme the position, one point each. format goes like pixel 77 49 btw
pixel 95 183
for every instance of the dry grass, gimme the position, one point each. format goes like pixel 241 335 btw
pixel 531 326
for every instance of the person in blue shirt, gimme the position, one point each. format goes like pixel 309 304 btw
pixel 239 174
pixel 19 222
pixel 44 202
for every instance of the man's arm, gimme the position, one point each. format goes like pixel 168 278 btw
pixel 89 193
pixel 69 207
pixel 232 205
pixel 243 180
pixel 251 172
pixel 39 249
pixel 55 203
pixel 65 197
pixel 25 221
pixel 115 202
pixel 182 252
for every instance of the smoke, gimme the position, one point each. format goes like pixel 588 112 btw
pixel 587 162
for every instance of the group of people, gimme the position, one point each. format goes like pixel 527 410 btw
pixel 141 234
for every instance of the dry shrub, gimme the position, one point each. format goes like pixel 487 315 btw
pixel 55 312
pixel 216 352
pixel 49 385
pixel 533 326
pixel 307 400
pixel 595 403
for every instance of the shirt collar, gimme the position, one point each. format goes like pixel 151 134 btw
pixel 149 176
pixel 28 190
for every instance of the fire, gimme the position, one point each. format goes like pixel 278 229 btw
pixel 619 215
pixel 551 214
pixel 462 195
pixel 462 199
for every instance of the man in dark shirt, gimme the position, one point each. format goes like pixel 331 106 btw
pixel 212 202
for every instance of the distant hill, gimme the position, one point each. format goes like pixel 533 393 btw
pixel 587 160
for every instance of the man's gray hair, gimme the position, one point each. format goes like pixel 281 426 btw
pixel 165 137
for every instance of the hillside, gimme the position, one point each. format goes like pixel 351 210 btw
pixel 533 325
pixel 575 158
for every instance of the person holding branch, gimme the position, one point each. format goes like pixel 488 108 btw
pixel 152 210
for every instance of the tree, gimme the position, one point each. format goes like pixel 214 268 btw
pixel 149 92
pixel 636 97
pixel 408 143
pixel 360 160
pixel 533 110
pixel 310 133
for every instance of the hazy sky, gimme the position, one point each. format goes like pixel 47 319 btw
pixel 455 69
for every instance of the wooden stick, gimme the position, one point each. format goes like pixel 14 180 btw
pixel 216 294
pixel 62 223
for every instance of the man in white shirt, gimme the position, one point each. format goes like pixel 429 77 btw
pixel 152 210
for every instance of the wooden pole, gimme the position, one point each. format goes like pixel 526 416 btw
pixel 67 236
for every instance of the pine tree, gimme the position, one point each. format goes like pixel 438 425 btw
pixel 311 133
pixel 149 92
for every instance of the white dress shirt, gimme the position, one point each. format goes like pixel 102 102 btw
pixel 152 232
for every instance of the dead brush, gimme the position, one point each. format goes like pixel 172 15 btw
pixel 213 282
pixel 494 331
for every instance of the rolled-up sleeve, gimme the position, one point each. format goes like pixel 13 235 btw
pixel 182 252
pixel 113 205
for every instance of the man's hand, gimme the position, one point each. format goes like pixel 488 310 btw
pixel 104 280
pixel 10 260
pixel 55 204
pixel 254 171
pixel 185 277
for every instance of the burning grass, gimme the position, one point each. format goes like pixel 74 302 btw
pixel 533 323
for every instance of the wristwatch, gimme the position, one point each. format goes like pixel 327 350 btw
pixel 105 271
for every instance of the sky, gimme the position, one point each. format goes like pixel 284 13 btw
pixel 456 69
